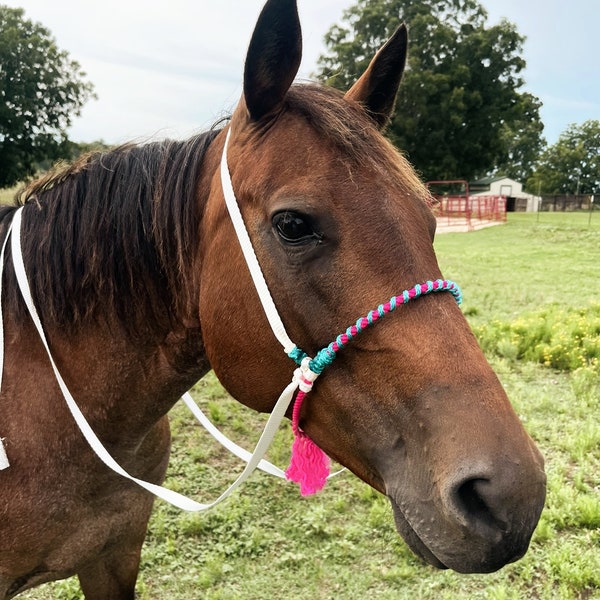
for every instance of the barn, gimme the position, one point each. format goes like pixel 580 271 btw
pixel 516 199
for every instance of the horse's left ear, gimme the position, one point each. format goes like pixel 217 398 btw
pixel 377 87
pixel 273 58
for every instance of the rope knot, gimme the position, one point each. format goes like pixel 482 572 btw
pixel 309 465
pixel 304 376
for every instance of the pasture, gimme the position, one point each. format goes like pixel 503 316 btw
pixel 7 195
pixel 532 294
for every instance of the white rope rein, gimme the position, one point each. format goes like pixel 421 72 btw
pixel 254 460
pixel 4 462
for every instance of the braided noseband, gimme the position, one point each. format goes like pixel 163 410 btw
pixel 326 356
pixel 309 466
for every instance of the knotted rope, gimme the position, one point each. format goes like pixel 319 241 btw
pixel 309 465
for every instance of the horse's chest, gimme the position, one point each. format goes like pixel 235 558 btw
pixel 65 511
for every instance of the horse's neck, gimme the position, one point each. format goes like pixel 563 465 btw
pixel 123 386
pixel 154 377
pixel 124 380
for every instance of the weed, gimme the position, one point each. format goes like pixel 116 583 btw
pixel 563 338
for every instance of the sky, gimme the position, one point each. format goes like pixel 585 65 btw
pixel 171 68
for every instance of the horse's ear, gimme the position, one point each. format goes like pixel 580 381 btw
pixel 273 58
pixel 377 87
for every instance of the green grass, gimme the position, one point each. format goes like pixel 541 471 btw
pixel 524 264
pixel 7 195
pixel 525 279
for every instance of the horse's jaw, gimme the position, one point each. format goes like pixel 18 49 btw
pixel 413 541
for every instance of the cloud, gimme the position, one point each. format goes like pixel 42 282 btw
pixel 174 67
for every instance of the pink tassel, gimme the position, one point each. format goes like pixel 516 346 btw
pixel 309 465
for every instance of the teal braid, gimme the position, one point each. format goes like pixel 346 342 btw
pixel 297 355
pixel 326 356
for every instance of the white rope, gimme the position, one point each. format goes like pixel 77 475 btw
pixel 263 465
pixel 166 494
pixel 2 252
pixel 4 462
pixel 257 275
pixel 303 376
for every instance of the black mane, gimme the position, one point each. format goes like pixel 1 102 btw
pixel 114 230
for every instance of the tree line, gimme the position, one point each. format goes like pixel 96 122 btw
pixel 41 91
pixel 461 112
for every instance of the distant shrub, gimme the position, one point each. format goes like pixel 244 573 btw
pixel 559 337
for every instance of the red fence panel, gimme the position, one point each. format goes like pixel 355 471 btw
pixel 470 212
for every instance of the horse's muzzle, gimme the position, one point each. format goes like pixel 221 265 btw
pixel 481 520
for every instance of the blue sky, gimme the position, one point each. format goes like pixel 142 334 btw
pixel 171 68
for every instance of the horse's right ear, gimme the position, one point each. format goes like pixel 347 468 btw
pixel 273 58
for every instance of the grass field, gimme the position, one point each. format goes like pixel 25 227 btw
pixel 532 293
pixel 7 195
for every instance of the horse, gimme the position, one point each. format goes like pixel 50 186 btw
pixel 142 288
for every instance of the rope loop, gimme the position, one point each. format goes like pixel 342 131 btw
pixel 326 356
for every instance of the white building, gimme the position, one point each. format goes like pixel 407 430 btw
pixel 516 198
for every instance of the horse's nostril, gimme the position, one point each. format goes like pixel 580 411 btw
pixel 478 506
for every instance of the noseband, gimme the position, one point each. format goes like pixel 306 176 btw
pixel 309 466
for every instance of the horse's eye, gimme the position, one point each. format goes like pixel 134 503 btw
pixel 294 228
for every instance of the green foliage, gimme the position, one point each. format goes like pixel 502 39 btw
pixel 559 337
pixel 572 165
pixel 522 138
pixel 41 90
pixel 459 111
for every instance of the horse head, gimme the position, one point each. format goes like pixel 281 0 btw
pixel 340 222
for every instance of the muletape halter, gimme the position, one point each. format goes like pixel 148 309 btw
pixel 309 466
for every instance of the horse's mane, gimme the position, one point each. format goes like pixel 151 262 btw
pixel 115 228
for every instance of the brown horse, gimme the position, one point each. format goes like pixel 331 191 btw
pixel 142 288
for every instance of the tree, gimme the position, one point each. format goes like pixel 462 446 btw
pixel 459 112
pixel 522 138
pixel 41 90
pixel 572 165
